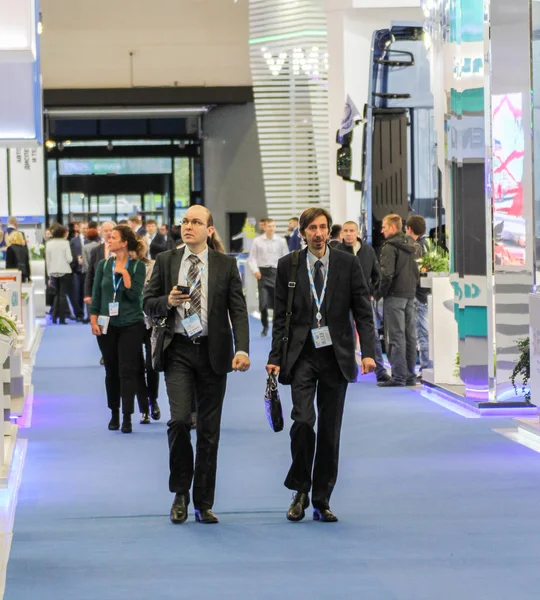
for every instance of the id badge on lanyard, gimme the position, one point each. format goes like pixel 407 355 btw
pixel 321 335
pixel 192 324
pixel 114 306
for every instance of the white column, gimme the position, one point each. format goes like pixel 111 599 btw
pixel 4 210
pixel 351 24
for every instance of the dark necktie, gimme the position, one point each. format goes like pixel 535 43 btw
pixel 318 278
pixel 195 297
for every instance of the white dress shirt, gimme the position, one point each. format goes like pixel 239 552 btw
pixel 265 252
pixel 182 280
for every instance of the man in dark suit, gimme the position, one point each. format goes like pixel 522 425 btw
pixel 156 242
pixel 169 240
pixel 200 354
pixel 320 356
pixel 96 256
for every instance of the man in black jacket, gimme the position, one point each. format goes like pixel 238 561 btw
pixel 317 356
pixel 416 229
pixel 370 267
pixel 210 338
pixel 96 256
pixel 400 277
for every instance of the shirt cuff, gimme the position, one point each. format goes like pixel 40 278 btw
pixel 242 352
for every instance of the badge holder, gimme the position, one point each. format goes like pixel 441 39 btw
pixel 321 335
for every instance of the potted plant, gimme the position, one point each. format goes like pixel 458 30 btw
pixel 434 259
pixel 9 331
pixel 522 369
pixel 37 252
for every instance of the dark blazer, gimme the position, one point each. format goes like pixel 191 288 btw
pixel 76 249
pixel 159 244
pixel 295 241
pixel 17 257
pixel 225 299
pixel 346 292
pixel 96 256
pixel 370 265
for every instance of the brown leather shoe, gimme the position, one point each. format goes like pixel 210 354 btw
pixel 179 509
pixel 205 516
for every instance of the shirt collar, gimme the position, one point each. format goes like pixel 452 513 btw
pixel 325 259
pixel 203 256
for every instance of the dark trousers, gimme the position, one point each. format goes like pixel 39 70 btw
pixel 316 371
pixel 190 374
pixel 73 292
pixel 149 385
pixel 121 348
pixel 60 285
pixel 400 333
pixel 267 284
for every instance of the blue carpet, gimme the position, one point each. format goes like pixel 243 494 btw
pixel 431 505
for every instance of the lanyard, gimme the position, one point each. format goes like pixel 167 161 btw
pixel 318 301
pixel 116 283
pixel 196 282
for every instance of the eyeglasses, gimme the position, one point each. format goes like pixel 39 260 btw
pixel 193 223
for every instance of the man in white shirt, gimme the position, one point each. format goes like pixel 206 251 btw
pixel 263 259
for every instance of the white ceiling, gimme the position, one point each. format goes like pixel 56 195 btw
pixel 190 42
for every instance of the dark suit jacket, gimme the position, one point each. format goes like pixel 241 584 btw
pixel 225 299
pixel 96 256
pixel 159 244
pixel 346 292
pixel 76 250
pixel 370 265
pixel 18 257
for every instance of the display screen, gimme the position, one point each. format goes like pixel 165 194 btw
pixel 508 144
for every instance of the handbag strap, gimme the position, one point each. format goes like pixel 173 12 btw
pixel 290 298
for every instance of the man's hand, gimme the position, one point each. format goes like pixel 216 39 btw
pixel 88 300
pixel 272 369
pixel 368 366
pixel 257 274
pixel 176 297
pixel 241 362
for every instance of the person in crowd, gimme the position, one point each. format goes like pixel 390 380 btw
pixel 12 225
pixel 415 228
pixel 169 240
pixel 75 291
pixel 92 225
pixel 96 255
pixel 295 240
pixel 147 396
pixel 136 225
pixel 262 226
pixel 203 324
pixel 370 268
pixel 155 241
pixel 117 321
pixel 176 235
pixel 320 357
pixel 263 259
pixel 17 255
pixel 336 236
pixel 48 234
pixel 91 242
pixel 58 260
pixel 400 277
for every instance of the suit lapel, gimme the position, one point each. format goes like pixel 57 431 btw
pixel 176 261
pixel 212 277
pixel 333 276
pixel 303 279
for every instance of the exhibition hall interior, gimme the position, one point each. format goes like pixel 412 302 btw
pixel 249 245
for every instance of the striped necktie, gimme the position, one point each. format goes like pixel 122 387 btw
pixel 196 294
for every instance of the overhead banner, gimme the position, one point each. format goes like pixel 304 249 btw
pixel 27 181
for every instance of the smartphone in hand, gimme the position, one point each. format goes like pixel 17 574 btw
pixel 183 288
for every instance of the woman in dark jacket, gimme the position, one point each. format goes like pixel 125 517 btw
pixel 17 256
pixel 118 322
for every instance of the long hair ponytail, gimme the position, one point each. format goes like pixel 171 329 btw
pixel 214 242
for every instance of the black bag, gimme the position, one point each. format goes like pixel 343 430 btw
pixel 160 339
pixel 272 403
pixel 284 376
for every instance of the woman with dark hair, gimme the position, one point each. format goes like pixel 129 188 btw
pixel 118 322
pixel 58 259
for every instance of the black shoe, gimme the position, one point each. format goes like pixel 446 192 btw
pixel 297 509
pixel 193 421
pixel 206 516
pixel 62 322
pixel 325 515
pixel 383 378
pixel 179 509
pixel 412 382
pixel 126 424
pixel 390 383
pixel 145 419
pixel 155 412
pixel 264 332
pixel 114 423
